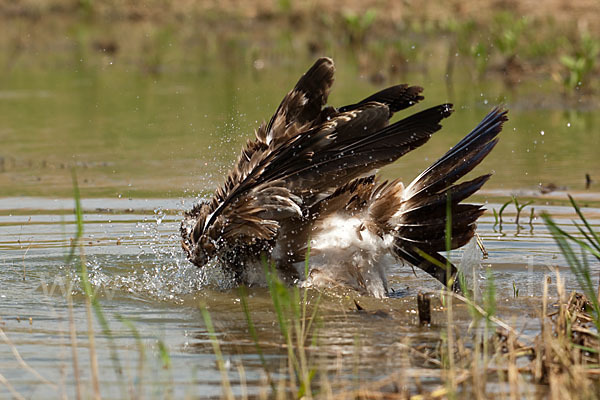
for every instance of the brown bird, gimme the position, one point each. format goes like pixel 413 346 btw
pixel 308 180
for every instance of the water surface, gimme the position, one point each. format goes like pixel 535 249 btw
pixel 146 147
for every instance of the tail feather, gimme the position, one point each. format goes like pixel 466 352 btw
pixel 441 269
pixel 423 208
pixel 462 216
pixel 462 158
pixel 420 224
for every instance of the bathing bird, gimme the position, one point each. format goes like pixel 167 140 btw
pixel 306 187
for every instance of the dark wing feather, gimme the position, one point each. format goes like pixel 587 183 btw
pixel 294 162
pixel 421 219
pixel 396 98
pixel 303 104
pixel 415 256
pixel 353 197
pixel 298 108
pixel 343 160
pixel 461 158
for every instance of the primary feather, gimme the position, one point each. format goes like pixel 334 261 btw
pixel 309 174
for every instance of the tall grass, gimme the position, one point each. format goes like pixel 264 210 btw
pixel 295 325
pixel 579 262
pixel 87 288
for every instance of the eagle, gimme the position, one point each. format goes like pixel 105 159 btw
pixel 305 196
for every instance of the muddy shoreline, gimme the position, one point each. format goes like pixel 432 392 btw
pixel 516 41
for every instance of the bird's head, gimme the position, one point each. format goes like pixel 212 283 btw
pixel 198 246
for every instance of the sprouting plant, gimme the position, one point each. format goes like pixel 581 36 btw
pixel 590 244
pixel 163 352
pixel 357 25
pixel 226 386
pixel 531 217
pixel 581 62
pixel 520 208
pixel 515 289
pixel 462 43
pixel 254 335
pixel 285 5
pixel 576 71
pixel 507 30
pixel 480 53
pixel 498 215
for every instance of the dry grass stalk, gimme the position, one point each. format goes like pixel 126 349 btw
pixel 22 362
pixel 91 341
pixel 11 388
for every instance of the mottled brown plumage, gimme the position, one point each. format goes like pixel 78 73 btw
pixel 310 171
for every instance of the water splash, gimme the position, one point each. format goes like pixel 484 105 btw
pixel 156 269
pixel 470 267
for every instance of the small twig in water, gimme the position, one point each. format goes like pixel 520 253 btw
pixel 424 308
pixel 24 255
pixel 22 362
pixel 481 246
pixel 11 388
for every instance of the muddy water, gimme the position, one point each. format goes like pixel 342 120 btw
pixel 145 148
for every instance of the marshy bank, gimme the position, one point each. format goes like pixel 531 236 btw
pixel 517 42
pixel 150 104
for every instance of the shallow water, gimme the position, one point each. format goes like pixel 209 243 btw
pixel 145 148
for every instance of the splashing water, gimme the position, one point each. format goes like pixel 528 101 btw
pixel 150 264
pixel 470 267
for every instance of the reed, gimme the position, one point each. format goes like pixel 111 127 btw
pixel 579 263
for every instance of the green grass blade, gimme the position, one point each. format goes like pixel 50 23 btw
pixel 580 268
pixel 578 211
pixel 254 335
pixel 502 210
pixel 217 351
pixel 86 284
pixel 586 236
pixel 78 217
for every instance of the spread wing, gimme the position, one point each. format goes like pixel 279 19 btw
pixel 306 151
pixel 239 202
